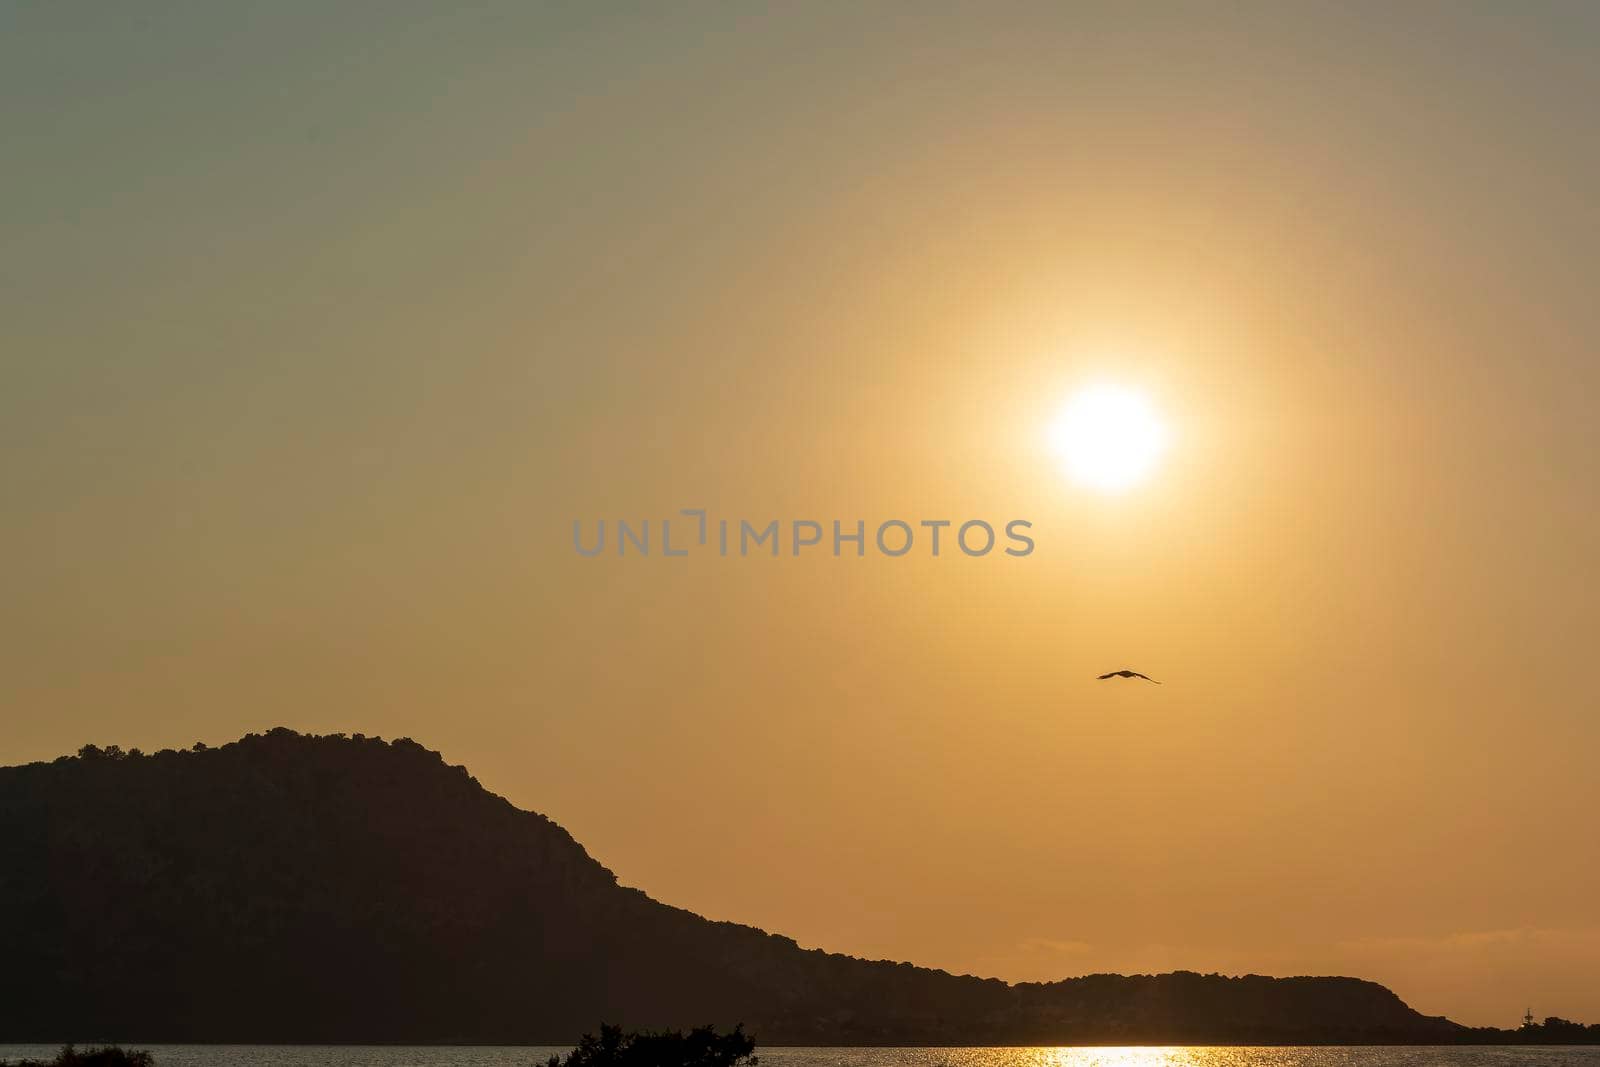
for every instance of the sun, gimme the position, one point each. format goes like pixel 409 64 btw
pixel 1109 437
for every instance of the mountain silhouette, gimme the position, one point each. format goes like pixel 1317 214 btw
pixel 288 888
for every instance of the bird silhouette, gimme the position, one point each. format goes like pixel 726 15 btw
pixel 1126 674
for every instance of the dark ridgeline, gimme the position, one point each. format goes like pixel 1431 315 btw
pixel 302 889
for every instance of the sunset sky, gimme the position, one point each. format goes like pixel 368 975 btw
pixel 320 325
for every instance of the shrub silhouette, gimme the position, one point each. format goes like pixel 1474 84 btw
pixel 95 1057
pixel 700 1047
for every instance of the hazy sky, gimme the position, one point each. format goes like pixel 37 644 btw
pixel 320 324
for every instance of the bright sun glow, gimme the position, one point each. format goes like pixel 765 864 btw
pixel 1109 437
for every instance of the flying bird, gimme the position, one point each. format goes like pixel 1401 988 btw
pixel 1126 674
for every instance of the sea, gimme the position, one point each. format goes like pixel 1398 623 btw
pixel 1142 1056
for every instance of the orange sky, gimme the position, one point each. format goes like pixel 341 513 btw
pixel 321 329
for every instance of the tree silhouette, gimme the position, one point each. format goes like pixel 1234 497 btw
pixel 700 1047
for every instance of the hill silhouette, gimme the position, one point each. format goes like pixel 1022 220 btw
pixel 287 888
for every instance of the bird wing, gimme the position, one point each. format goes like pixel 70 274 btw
pixel 1125 674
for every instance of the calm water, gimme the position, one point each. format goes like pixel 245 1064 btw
pixel 480 1056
